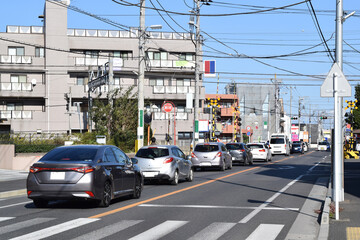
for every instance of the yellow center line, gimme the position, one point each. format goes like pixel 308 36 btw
pixel 181 190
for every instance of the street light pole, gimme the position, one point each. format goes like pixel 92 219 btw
pixel 140 128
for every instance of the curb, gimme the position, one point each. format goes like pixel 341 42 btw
pixel 324 224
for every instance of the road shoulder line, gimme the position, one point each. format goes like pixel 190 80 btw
pixel 305 225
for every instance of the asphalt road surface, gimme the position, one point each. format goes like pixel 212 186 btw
pixel 280 199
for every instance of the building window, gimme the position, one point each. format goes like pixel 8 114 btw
pixel 16 51
pixel 14 107
pixel 183 82
pixel 92 54
pixel 80 81
pixel 18 78
pixel 180 109
pixel 157 82
pixel 186 56
pixel 122 54
pixel 184 135
pixel 157 55
pixel 39 52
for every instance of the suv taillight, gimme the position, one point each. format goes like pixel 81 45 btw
pixel 193 155
pixel 262 150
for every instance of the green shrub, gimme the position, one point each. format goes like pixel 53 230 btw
pixel 34 148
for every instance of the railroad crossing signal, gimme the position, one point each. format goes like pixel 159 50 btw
pixel 351 104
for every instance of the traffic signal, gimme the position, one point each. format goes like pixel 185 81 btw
pixel 294 118
pixel 239 121
pixel 323 117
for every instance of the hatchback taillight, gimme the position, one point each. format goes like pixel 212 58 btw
pixel 168 160
pixel 262 150
pixel 219 154
pixel 241 150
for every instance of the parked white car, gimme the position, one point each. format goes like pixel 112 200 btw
pixel 260 151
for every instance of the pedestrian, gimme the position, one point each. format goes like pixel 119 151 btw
pixel 153 141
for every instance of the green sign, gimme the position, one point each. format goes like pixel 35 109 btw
pixel 196 125
pixel 141 118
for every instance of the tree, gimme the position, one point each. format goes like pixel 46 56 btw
pixel 356 112
pixel 119 121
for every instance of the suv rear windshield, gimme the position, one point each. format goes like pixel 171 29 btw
pixel 206 148
pixel 152 152
pixel 70 154
pixel 255 146
pixel 234 146
pixel 323 143
pixel 277 141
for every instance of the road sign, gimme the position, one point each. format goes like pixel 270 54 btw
pixel 168 107
pixel 248 134
pixel 343 88
pixel 248 128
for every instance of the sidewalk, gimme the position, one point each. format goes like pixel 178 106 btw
pixel 348 225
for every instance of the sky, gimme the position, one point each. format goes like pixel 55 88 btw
pixel 284 44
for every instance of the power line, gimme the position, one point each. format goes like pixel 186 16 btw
pixel 125 3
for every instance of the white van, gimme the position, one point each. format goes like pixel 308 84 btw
pixel 279 144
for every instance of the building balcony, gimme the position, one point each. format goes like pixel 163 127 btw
pixel 227 112
pixel 164 116
pixel 180 64
pixel 15 114
pixel 230 129
pixel 11 59
pixel 9 89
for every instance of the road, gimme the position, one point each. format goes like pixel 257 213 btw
pixel 274 200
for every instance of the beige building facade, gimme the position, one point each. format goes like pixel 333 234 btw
pixel 38 65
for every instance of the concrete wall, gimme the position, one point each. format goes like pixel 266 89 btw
pixel 21 162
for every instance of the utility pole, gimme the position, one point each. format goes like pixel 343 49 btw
pixel 290 101
pixel 299 115
pixel 197 74
pixel 309 124
pixel 140 128
pixel 338 149
pixel 276 105
pixel 70 104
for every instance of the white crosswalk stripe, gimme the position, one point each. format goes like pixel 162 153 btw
pixel 160 230
pixel 19 225
pixel 213 231
pixel 266 231
pixel 50 231
pixel 5 218
pixel 108 230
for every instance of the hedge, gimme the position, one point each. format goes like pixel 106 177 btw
pixel 34 148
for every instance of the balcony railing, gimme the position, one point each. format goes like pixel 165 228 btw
pixel 7 86
pixel 172 64
pixel 164 116
pixel 132 33
pixel 24 29
pixel 15 59
pixel 173 89
pixel 15 114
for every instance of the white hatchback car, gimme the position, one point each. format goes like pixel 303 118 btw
pixel 260 151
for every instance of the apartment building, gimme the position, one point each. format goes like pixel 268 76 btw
pixel 39 64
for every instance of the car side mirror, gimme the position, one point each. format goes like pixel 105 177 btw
pixel 134 161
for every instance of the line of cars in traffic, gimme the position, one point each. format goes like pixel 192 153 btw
pixel 100 173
